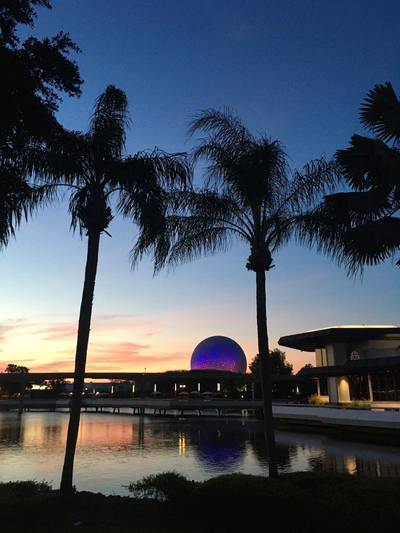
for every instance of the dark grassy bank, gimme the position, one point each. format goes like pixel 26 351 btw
pixel 301 502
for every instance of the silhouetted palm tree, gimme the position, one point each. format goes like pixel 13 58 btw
pixel 248 196
pixel 93 166
pixel 362 226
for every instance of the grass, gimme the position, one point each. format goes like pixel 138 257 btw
pixel 168 502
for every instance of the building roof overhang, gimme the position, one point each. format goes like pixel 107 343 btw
pixel 319 338
pixel 360 366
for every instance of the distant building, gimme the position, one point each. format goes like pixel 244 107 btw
pixel 360 362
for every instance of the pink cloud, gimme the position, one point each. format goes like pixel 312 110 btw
pixel 118 347
pixel 59 331
pixel 10 325
pixel 66 365
pixel 112 363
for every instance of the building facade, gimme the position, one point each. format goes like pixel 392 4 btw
pixel 359 362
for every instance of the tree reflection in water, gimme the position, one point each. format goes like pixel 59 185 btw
pixel 12 428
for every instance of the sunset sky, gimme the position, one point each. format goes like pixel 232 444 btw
pixel 297 70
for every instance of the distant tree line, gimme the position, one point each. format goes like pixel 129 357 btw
pixel 278 362
pixel 10 387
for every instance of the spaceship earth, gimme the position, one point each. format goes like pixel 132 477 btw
pixel 218 353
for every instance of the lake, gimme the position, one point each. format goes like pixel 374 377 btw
pixel 115 449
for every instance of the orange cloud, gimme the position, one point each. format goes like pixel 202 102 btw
pixel 59 331
pixel 120 342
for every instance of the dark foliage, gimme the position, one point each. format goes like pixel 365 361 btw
pixel 250 194
pixel 300 502
pixel 278 362
pixel 12 368
pixel 294 502
pixel 34 75
pixel 362 227
pixel 11 387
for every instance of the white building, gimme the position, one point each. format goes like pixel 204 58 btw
pixel 359 362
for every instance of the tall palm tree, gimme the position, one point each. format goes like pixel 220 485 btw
pixel 94 168
pixel 249 195
pixel 361 226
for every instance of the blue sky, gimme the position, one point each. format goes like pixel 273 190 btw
pixel 296 70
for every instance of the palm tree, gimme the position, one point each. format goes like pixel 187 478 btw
pixel 248 196
pixel 362 226
pixel 94 168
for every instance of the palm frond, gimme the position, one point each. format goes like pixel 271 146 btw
pixel 19 199
pixel 372 243
pixel 197 241
pixel 188 217
pixel 277 230
pixel 369 163
pixel 259 173
pixel 214 208
pixel 224 127
pixel 64 159
pixel 308 187
pixel 360 206
pixel 218 159
pixel 146 169
pixel 109 123
pixel 380 112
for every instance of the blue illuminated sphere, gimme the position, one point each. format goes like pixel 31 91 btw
pixel 219 353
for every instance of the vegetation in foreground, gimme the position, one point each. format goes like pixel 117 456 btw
pixel 169 502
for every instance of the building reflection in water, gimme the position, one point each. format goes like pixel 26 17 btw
pixel 219 446
pixel 116 449
pixel 182 444
pixel 327 454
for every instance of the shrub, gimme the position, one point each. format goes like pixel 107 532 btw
pixel 167 486
pixel 315 399
pixel 24 489
pixel 360 404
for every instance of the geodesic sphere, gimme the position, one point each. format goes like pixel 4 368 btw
pixel 218 353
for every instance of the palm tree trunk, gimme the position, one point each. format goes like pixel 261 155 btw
pixel 265 371
pixel 85 316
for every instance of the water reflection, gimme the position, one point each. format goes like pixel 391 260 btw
pixel 116 449
pixel 219 446
pixel 12 430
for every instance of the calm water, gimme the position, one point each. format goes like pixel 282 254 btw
pixel 116 449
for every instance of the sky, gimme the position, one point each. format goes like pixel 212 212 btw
pixel 295 70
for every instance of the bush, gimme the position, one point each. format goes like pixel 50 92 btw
pixel 22 503
pixel 360 404
pixel 315 399
pixel 24 489
pixel 167 486
pixel 298 502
